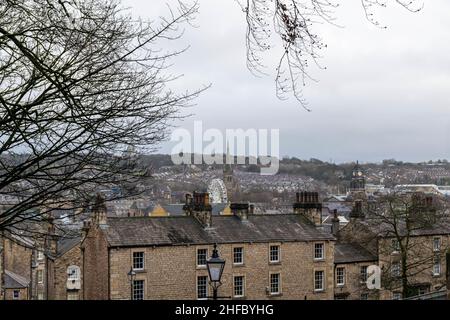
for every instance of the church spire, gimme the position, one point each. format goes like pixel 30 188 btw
pixel 227 168
pixel 228 158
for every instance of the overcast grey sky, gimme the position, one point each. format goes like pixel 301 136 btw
pixel 385 93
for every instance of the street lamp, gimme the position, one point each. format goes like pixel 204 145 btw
pixel 215 267
pixel 131 276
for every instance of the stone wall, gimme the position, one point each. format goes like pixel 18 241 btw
pixel 354 288
pixel 62 263
pixel 171 271
pixel 23 294
pixel 419 264
pixel 17 258
pixel 95 265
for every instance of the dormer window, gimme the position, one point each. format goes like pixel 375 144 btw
pixel 73 273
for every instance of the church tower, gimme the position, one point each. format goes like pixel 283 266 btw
pixel 230 181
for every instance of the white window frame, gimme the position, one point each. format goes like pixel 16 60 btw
pixel 73 275
pixel 278 276
pixel 395 245
pixel 40 255
pixel 338 283
pixel 135 258
pixel 206 287
pixel 135 290
pixel 241 255
pixel 322 281
pixel 395 270
pixel 320 245
pixel 73 294
pixel 363 275
pixel 197 259
pixel 40 276
pixel 437 270
pixel 278 253
pixel 242 286
pixel 438 247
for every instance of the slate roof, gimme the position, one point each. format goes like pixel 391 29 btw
pixel 183 230
pixel 340 207
pixel 174 209
pixel 65 244
pixel 177 208
pixel 384 229
pixel 14 281
pixel 351 252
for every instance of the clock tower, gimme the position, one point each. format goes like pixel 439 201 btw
pixel 358 180
pixel 358 192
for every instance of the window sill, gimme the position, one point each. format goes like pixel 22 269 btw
pixel 436 275
pixel 139 270
pixel 279 294
pixel 274 263
pixel 201 267
pixel 319 291
pixel 240 298
pixel 319 259
pixel 237 265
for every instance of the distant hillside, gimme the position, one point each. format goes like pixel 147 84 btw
pixel 389 172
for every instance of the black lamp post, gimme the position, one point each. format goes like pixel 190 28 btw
pixel 131 276
pixel 215 267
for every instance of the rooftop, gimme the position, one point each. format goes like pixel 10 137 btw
pixel 351 252
pixel 183 230
pixel 14 281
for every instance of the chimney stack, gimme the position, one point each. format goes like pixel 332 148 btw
pixel 99 211
pixel 199 207
pixel 51 242
pixel 335 223
pixel 241 210
pixel 308 205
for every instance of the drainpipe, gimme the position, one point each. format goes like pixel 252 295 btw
pixel 447 264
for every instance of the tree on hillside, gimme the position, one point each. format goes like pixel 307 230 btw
pixel 83 86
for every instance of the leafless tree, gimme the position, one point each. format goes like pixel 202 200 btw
pixel 412 232
pixel 292 23
pixel 81 82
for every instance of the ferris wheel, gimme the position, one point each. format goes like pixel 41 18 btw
pixel 217 191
